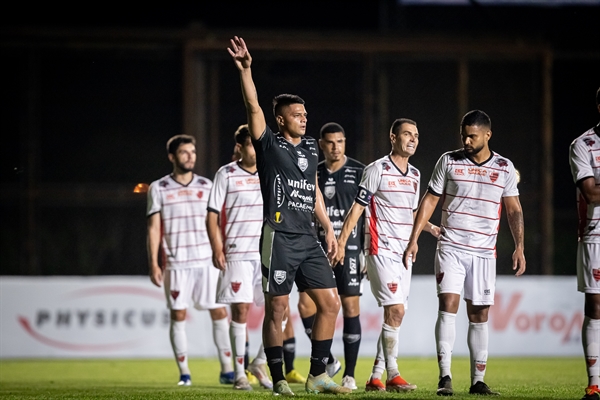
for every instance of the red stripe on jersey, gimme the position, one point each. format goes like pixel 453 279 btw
pixel 476 182
pixel 469 214
pixel 471 198
pixel 374 246
pixel 470 230
pixel 466 245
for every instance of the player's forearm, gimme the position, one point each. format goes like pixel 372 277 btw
pixel 424 212
pixel 350 222
pixel 152 245
pixel 589 190
pixel 214 233
pixel 517 227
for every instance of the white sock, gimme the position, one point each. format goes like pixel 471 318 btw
pixel 179 345
pixel 477 339
pixel 590 338
pixel 237 332
pixel 379 364
pixel 445 334
pixel 389 342
pixel 221 338
pixel 261 357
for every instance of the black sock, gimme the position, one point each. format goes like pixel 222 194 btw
pixel 308 324
pixel 275 362
pixel 289 353
pixel 319 356
pixel 351 338
pixel 246 358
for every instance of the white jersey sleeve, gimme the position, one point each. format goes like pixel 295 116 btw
pixel 154 203
pixel 437 183
pixel 579 159
pixel 511 188
pixel 369 183
pixel 218 192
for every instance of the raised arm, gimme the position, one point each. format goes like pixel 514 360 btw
pixel 352 217
pixel 424 212
pixel 514 213
pixel 152 247
pixel 242 59
pixel 323 218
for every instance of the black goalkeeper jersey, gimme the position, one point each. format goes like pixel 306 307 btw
pixel 339 190
pixel 287 181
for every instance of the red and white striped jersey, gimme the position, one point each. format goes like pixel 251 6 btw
pixel 182 211
pixel 236 197
pixel 472 200
pixel 584 157
pixel 390 197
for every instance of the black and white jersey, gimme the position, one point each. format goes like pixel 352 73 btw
pixel 287 181
pixel 339 190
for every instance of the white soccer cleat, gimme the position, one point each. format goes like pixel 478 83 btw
pixel 349 382
pixel 260 372
pixel 185 380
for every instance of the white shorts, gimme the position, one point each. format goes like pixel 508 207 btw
pixel 588 267
pixel 390 281
pixel 241 283
pixel 455 271
pixel 196 284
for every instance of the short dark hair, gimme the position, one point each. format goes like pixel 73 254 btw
pixel 398 122
pixel 598 97
pixel 331 127
pixel 177 140
pixel 283 100
pixel 476 117
pixel 242 134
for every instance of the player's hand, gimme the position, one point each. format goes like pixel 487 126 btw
pixel 410 254
pixel 332 248
pixel 240 54
pixel 219 260
pixel 156 275
pixel 519 263
pixel 435 231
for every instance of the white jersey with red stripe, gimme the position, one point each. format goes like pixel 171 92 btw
pixel 182 211
pixel 472 200
pixel 584 157
pixel 390 197
pixel 237 198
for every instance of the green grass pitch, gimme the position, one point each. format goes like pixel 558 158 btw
pixel 514 378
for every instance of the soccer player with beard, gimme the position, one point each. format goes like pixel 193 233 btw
pixel 176 212
pixel 338 177
pixel 584 157
pixel 474 182
pixel 389 192
pixel 290 251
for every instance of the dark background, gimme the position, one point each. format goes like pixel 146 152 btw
pixel 90 95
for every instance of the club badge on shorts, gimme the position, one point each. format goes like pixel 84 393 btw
pixel 279 276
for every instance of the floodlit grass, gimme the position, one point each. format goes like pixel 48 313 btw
pixel 514 378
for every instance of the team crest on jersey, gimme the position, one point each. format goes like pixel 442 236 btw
pixel 230 170
pixel 385 166
pixel 303 164
pixel 329 192
pixel 494 176
pixel 415 186
pixel 200 194
pixel 164 183
pixel 202 181
pixel 414 171
pixel 235 286
pixel 589 142
pixel 502 162
pixel 279 276
pixel 393 286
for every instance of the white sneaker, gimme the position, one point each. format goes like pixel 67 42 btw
pixel 242 384
pixel 349 382
pixel 333 368
pixel 260 372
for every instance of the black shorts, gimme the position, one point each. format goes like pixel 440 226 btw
pixel 289 257
pixel 348 276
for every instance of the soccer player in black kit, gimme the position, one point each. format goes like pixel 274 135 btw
pixel 338 178
pixel 290 251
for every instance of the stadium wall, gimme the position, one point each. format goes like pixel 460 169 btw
pixel 126 317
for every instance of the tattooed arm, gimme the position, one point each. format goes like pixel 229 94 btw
pixel 514 213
